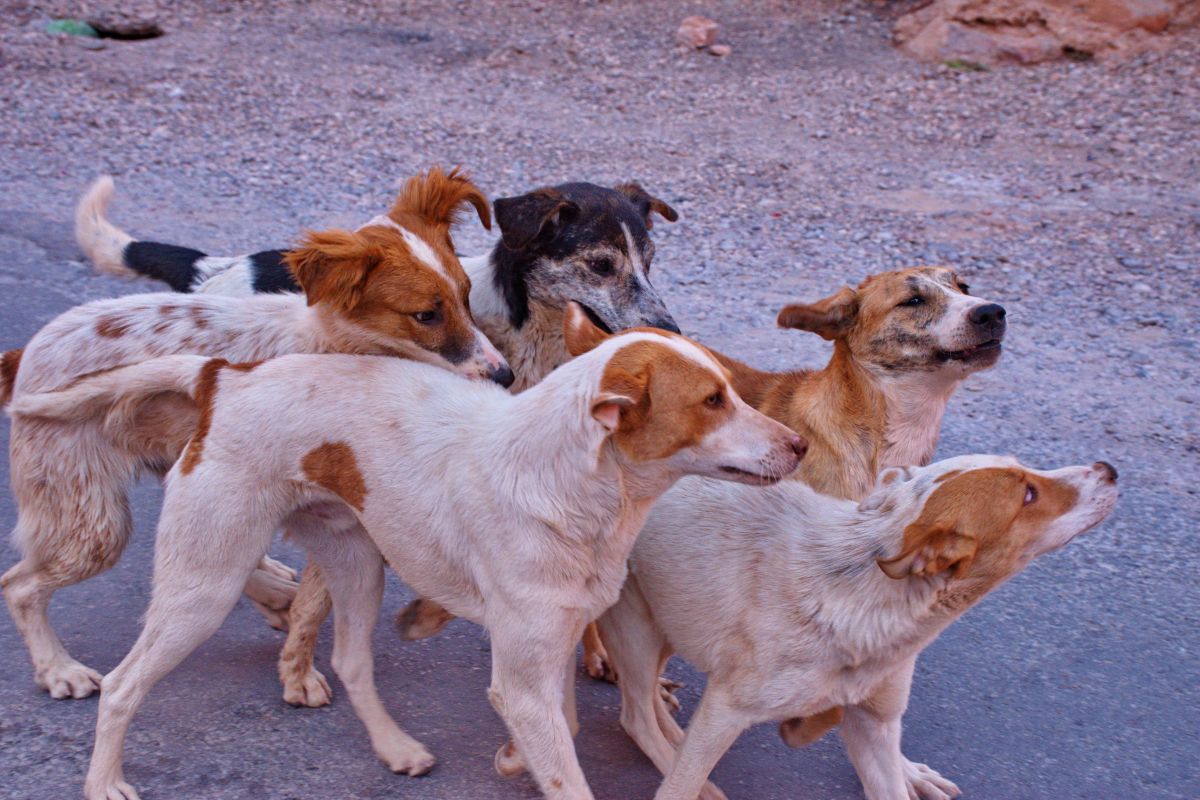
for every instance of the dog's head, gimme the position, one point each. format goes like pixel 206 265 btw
pixel 395 285
pixel 664 398
pixel 906 321
pixel 981 519
pixel 582 242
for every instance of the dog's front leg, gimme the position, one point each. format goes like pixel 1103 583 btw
pixel 529 692
pixel 871 732
pixel 713 729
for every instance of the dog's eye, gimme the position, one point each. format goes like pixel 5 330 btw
pixel 1030 493
pixel 602 266
pixel 715 400
pixel 426 317
pixel 912 302
pixel 962 287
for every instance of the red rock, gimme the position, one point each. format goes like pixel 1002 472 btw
pixel 697 32
pixel 721 50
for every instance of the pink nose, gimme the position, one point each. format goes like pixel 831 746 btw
pixel 799 446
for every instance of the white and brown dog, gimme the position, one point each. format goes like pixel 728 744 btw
pixel 573 242
pixel 380 459
pixel 802 605
pixel 394 289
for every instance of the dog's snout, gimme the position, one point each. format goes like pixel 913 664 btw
pixel 988 315
pixel 666 324
pixel 1110 472
pixel 502 375
pixel 798 445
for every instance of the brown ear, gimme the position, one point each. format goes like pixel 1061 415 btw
pixel 830 318
pixel 533 218
pixel 579 332
pixel 930 551
pixel 439 197
pixel 646 203
pixel 332 266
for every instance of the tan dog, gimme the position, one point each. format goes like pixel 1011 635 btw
pixel 394 288
pixel 795 603
pixel 378 459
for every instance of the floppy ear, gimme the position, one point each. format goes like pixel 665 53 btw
pixel 533 217
pixel 607 409
pixel 439 197
pixel 332 266
pixel 830 318
pixel 930 552
pixel 646 202
pixel 579 332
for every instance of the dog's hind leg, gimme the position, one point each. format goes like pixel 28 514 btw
pixel 71 524
pixel 303 685
pixel 353 570
pixel 202 560
pixel 713 729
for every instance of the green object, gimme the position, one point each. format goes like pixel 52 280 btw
pixel 71 27
pixel 962 65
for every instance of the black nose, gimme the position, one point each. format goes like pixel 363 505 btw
pixel 987 315
pixel 666 324
pixel 1109 470
pixel 503 376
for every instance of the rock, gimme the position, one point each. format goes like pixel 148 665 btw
pixel 720 50
pixel 125 24
pixel 1030 31
pixel 697 32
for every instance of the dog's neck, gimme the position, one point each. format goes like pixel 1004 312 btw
pixel 915 403
pixel 534 349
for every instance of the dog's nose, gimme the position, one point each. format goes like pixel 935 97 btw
pixel 799 446
pixel 1110 472
pixel 667 324
pixel 987 315
pixel 502 375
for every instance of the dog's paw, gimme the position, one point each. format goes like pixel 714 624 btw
pixel 711 792
pixel 598 667
pixel 407 757
pixel 110 790
pixel 509 761
pixel 68 679
pixel 666 692
pixel 309 689
pixel 277 569
pixel 275 617
pixel 925 783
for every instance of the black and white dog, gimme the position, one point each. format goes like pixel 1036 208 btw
pixel 574 241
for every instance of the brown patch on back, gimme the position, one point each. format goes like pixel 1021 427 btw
pixel 199 317
pixel 334 467
pixel 205 395
pixel 668 393
pixel 9 362
pixel 112 327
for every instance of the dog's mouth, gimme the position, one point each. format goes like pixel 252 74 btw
pixel 976 352
pixel 595 318
pixel 746 476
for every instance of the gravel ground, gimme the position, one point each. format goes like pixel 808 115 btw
pixel 810 157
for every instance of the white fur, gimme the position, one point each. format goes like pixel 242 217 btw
pixel 231 276
pixel 776 594
pixel 442 479
pixel 103 242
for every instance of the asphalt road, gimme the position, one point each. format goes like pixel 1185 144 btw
pixel 1079 679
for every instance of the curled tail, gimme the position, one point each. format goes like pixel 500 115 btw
pixel 101 392
pixel 115 252
pixel 8 374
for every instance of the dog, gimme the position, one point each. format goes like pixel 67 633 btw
pixel 362 466
pixel 797 604
pixel 572 242
pixel 392 289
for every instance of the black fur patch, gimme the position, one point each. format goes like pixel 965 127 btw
pixel 271 274
pixel 601 213
pixel 169 263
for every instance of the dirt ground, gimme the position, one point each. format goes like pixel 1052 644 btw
pixel 810 157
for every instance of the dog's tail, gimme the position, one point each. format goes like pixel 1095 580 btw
pixel 100 392
pixel 115 252
pixel 8 374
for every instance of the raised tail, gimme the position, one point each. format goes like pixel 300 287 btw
pixel 101 392
pixel 9 362
pixel 115 252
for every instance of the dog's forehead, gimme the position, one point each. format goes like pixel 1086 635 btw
pixel 913 279
pixel 416 250
pixel 607 218
pixel 650 346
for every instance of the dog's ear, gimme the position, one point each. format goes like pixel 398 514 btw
pixel 606 409
pixel 930 551
pixel 579 332
pixel 533 218
pixel 884 489
pixel 332 266
pixel 646 203
pixel 438 197
pixel 830 318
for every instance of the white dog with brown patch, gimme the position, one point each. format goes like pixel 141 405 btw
pixel 501 508
pixel 801 605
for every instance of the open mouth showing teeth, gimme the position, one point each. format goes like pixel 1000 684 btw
pixel 990 347
pixel 595 318
pixel 750 476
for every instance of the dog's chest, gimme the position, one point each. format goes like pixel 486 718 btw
pixel 533 350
